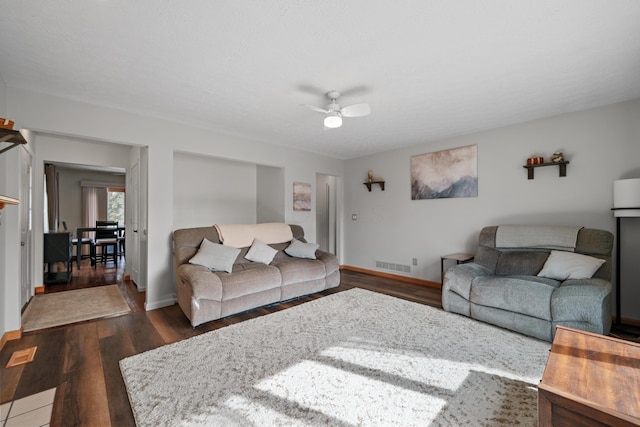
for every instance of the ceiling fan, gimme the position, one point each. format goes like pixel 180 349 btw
pixel 335 113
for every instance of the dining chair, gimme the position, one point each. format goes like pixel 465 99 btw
pixel 78 245
pixel 106 239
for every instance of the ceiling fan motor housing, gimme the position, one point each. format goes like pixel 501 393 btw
pixel 333 107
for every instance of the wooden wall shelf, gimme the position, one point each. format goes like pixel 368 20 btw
pixel 4 200
pixel 562 165
pixel 13 137
pixel 369 184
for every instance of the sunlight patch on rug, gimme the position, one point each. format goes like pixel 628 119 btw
pixel 341 394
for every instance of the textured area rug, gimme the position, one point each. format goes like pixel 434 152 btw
pixel 62 308
pixel 355 358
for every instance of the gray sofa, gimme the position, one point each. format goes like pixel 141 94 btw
pixel 205 295
pixel 502 287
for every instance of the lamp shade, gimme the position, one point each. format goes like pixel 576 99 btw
pixel 626 197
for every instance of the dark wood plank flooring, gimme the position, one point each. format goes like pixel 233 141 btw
pixel 81 359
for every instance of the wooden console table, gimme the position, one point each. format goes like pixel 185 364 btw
pixel 590 380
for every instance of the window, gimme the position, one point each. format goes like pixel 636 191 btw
pixel 115 205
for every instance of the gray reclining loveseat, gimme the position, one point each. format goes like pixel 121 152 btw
pixel 506 284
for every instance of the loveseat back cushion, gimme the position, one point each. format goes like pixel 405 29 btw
pixel 590 241
pixel 487 257
pixel 598 244
pixel 520 262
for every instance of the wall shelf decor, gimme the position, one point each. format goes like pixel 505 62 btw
pixel 369 184
pixel 4 200
pixel 13 137
pixel 561 165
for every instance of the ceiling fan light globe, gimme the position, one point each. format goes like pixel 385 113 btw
pixel 333 121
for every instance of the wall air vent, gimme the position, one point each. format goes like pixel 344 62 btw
pixel 393 266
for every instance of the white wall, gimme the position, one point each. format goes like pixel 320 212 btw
pixel 602 145
pixel 10 170
pixel 209 190
pixel 5 177
pixel 3 98
pixel 10 225
pixel 270 194
pixel 44 113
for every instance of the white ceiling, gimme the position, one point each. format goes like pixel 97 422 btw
pixel 430 69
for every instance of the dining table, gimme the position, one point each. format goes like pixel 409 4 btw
pixel 80 231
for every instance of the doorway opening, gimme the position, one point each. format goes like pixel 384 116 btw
pixel 326 212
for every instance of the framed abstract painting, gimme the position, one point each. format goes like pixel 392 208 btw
pixel 445 174
pixel 301 196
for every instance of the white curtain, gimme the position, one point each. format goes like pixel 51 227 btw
pixel 94 208
pixel 51 197
pixel 94 203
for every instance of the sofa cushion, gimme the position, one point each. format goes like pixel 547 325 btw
pixel 528 295
pixel 247 279
pixel 215 256
pixel 300 249
pixel 301 270
pixel 527 263
pixel 568 265
pixel 260 252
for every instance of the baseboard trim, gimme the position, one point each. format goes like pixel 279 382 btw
pixel 10 336
pixel 412 280
pixel 159 304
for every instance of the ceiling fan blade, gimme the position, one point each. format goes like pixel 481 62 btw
pixel 356 110
pixel 312 108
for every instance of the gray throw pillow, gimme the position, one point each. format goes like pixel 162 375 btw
pixel 300 249
pixel 215 257
pixel 260 252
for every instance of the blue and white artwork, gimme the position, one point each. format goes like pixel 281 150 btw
pixel 445 174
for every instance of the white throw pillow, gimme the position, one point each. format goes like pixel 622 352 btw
pixel 260 252
pixel 215 257
pixel 562 265
pixel 300 249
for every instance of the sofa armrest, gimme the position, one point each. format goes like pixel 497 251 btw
pixel 204 283
pixel 330 261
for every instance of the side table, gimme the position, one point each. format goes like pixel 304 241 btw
pixel 590 380
pixel 458 257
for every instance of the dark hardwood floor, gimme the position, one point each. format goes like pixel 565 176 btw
pixel 81 359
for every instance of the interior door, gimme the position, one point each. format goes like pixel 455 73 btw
pixel 26 180
pixel 133 241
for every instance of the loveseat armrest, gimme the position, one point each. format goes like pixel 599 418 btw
pixel 458 279
pixel 582 304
